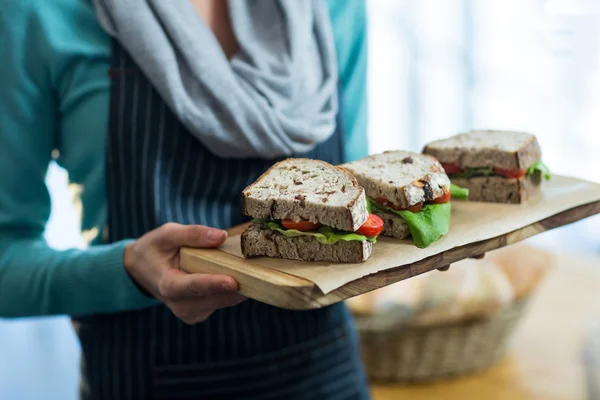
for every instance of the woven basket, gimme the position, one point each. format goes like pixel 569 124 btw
pixel 423 354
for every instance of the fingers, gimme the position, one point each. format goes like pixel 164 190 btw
pixel 195 310
pixel 176 284
pixel 171 235
pixel 194 297
pixel 444 268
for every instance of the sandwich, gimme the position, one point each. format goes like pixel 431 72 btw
pixel 308 210
pixel 496 166
pixel 409 191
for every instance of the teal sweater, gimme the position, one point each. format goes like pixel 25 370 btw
pixel 54 95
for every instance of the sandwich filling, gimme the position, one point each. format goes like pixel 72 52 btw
pixel 455 171
pixel 324 234
pixel 427 222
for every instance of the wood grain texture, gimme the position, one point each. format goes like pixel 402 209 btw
pixel 288 291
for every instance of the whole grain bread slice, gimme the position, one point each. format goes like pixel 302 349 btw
pixel 393 225
pixel 259 241
pixel 403 178
pixel 300 188
pixel 487 148
pixel 497 189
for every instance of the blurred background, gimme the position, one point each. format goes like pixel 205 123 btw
pixel 436 68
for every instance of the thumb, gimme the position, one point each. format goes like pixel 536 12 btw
pixel 171 235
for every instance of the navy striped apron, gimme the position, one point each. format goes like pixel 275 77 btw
pixel 158 172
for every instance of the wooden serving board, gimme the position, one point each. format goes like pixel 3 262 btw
pixel 475 228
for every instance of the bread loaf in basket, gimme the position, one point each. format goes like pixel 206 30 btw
pixel 444 324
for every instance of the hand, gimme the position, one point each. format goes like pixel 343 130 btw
pixel 447 267
pixel 153 262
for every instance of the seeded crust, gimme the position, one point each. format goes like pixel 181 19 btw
pixel 403 178
pixel 500 149
pixel 300 188
pixel 497 189
pixel 260 241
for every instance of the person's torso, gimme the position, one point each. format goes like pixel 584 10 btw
pixel 158 172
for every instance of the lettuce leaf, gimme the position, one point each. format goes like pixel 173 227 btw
pixel 427 225
pixel 540 166
pixel 458 193
pixel 324 234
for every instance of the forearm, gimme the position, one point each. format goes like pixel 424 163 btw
pixel 36 280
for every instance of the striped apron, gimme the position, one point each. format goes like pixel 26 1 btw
pixel 158 172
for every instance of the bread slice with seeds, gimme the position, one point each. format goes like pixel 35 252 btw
pixel 497 189
pixel 304 189
pixel 402 178
pixel 393 225
pixel 260 241
pixel 487 148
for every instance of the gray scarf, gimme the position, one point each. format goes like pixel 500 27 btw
pixel 276 97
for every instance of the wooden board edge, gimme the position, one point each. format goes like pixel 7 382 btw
pixel 260 283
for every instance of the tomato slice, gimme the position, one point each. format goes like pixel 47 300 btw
pixel 452 168
pixel 372 228
pixel 386 203
pixel 416 208
pixel 510 173
pixel 442 199
pixel 302 226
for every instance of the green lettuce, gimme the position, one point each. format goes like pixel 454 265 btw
pixel 458 193
pixel 540 166
pixel 427 225
pixel 324 234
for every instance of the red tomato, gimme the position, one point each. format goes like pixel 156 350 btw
pixel 386 203
pixel 442 199
pixel 373 227
pixel 416 208
pixel 302 226
pixel 452 168
pixel 510 173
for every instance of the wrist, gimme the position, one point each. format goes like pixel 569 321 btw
pixel 128 258
pixel 129 266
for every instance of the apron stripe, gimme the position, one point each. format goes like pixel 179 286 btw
pixel 193 193
pixel 224 178
pixel 207 217
pixel 116 362
pixel 170 194
pixel 133 132
pixel 143 353
pixel 148 123
pixel 182 181
pixel 125 330
pixel 123 92
pixel 158 167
